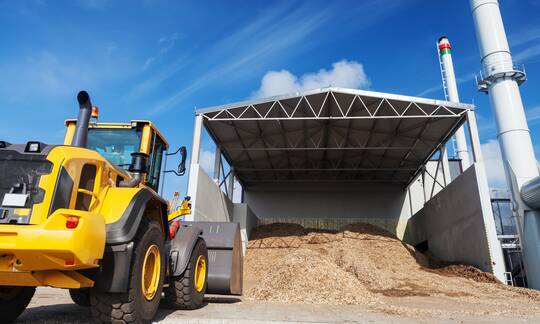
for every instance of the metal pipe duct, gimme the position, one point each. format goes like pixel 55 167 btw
pixel 530 193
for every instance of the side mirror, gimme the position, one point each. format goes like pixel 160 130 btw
pixel 181 170
pixel 182 164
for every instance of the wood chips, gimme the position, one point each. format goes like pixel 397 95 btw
pixel 363 264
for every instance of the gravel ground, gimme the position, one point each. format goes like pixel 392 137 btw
pixel 54 306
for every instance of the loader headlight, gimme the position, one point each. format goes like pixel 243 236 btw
pixel 33 147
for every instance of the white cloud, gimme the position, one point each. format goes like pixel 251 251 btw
pixel 206 161
pixel 347 74
pixel 264 38
pixel 494 165
pixel 166 43
pixel 524 36
pixel 277 34
pixel 533 114
pixel 44 73
pixel 528 53
pixel 55 75
pixel 439 87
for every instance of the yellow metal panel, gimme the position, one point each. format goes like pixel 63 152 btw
pixel 19 279
pixel 116 202
pixel 72 159
pixel 110 204
pixel 53 278
pixel 185 209
pixel 48 246
pixel 146 139
pixel 70 131
pixel 47 183
pixel 63 279
pixel 70 123
pixel 154 129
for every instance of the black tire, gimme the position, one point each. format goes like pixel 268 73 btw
pixel 133 307
pixel 13 302
pixel 182 293
pixel 80 297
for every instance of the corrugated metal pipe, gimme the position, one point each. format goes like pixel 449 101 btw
pixel 530 193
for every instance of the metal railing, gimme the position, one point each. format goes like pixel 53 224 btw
pixel 495 70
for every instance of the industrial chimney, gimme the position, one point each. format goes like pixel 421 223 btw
pixel 500 78
pixel 451 92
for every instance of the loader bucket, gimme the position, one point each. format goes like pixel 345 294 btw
pixel 225 268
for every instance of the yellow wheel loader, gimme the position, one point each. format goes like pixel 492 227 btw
pixel 86 216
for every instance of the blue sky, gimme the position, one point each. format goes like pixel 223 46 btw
pixel 160 60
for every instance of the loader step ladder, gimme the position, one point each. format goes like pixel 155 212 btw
pixel 508 278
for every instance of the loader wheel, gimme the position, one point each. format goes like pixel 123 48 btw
pixel 187 290
pixel 141 302
pixel 80 297
pixel 13 301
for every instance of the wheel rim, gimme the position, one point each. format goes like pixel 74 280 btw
pixel 200 273
pixel 150 272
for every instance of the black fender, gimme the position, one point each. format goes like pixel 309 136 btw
pixel 124 230
pixel 113 275
pixel 181 248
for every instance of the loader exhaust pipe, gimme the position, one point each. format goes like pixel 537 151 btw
pixel 80 136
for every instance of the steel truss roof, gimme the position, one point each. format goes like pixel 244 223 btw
pixel 332 134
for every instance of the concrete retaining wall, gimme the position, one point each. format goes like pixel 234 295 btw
pixel 458 224
pixel 244 216
pixel 209 202
pixel 377 203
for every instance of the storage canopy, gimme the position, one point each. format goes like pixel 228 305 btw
pixel 332 134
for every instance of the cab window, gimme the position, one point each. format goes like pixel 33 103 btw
pixel 154 163
pixel 116 145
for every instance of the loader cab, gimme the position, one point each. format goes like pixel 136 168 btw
pixel 116 142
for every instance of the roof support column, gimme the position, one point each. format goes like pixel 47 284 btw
pixel 196 146
pixel 230 185
pixel 217 163
pixel 473 136
pixel 194 167
pixel 445 165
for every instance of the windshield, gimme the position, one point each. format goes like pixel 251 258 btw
pixel 116 145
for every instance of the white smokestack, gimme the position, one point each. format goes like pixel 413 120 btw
pixel 500 78
pixel 449 78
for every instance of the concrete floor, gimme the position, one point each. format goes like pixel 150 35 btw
pixel 55 306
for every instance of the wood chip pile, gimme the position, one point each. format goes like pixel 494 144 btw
pixel 363 264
